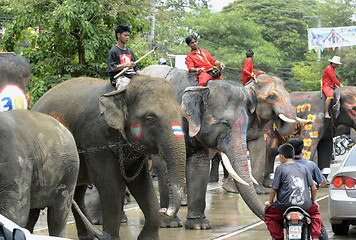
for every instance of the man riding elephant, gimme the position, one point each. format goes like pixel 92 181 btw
pixel 201 62
pixel 330 82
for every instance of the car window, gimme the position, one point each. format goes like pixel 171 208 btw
pixel 351 160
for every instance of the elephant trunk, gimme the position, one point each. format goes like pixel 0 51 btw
pixel 248 193
pixel 234 146
pixel 175 157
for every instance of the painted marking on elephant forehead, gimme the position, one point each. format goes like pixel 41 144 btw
pixel 271 91
pixel 350 107
pixel 177 130
pixel 136 131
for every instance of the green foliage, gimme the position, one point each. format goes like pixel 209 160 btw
pixel 308 73
pixel 74 36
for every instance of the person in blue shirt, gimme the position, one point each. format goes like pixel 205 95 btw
pixel 314 171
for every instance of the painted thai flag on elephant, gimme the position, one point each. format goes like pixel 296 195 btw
pixel 177 130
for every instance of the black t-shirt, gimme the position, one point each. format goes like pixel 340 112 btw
pixel 119 56
pixel 292 182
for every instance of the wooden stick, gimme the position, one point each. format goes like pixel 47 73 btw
pixel 126 68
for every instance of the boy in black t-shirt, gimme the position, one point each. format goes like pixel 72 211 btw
pixel 291 183
pixel 121 57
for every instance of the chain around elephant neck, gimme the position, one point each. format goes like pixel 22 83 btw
pixel 122 168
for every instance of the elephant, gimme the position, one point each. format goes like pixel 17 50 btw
pixel 318 135
pixel 14 74
pixel 222 117
pixel 39 168
pixel 114 131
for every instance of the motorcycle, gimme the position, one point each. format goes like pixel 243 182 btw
pixel 297 223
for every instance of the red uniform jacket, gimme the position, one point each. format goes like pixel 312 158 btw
pixel 196 60
pixel 247 70
pixel 329 77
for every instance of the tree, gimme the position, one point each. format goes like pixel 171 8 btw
pixel 74 37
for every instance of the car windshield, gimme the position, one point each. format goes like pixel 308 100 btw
pixel 351 160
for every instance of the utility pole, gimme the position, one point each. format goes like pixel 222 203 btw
pixel 318 51
pixel 152 20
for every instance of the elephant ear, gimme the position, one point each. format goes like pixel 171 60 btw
pixel 192 104
pixel 336 103
pixel 114 110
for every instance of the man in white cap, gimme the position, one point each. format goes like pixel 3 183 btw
pixel 330 82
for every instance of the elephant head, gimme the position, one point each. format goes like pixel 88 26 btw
pixel 344 106
pixel 272 103
pixel 218 118
pixel 149 118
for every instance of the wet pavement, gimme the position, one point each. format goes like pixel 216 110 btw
pixel 228 214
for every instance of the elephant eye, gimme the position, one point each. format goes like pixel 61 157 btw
pixel 225 122
pixel 271 96
pixel 150 118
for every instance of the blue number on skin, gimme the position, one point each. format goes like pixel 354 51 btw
pixel 8 103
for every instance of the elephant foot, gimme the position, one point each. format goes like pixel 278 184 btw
pixel 261 189
pixel 123 217
pixel 268 182
pixel 197 224
pixel 171 223
pixel 230 186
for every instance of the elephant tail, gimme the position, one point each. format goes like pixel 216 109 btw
pixel 101 235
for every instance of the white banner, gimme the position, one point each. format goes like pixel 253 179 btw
pixel 331 37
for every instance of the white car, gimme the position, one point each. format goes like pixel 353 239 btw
pixel 342 195
pixel 11 231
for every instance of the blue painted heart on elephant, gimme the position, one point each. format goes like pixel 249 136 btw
pixel 136 131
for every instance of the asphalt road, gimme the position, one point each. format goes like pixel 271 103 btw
pixel 228 214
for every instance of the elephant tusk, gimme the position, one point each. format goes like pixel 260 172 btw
pixel 231 170
pixel 301 120
pixel 252 178
pixel 286 119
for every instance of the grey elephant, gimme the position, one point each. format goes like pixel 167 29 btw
pixel 14 74
pixel 224 116
pixel 39 168
pixel 114 131
pixel 318 135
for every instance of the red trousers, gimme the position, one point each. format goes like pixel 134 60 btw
pixel 273 216
pixel 204 78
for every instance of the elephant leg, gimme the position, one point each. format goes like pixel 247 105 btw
pixel 257 152
pixel 79 194
pixel 57 215
pixel 214 169
pixel 123 214
pixel 32 219
pixel 143 191
pixel 111 192
pixel 325 151
pixel 197 171
pixel 271 153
